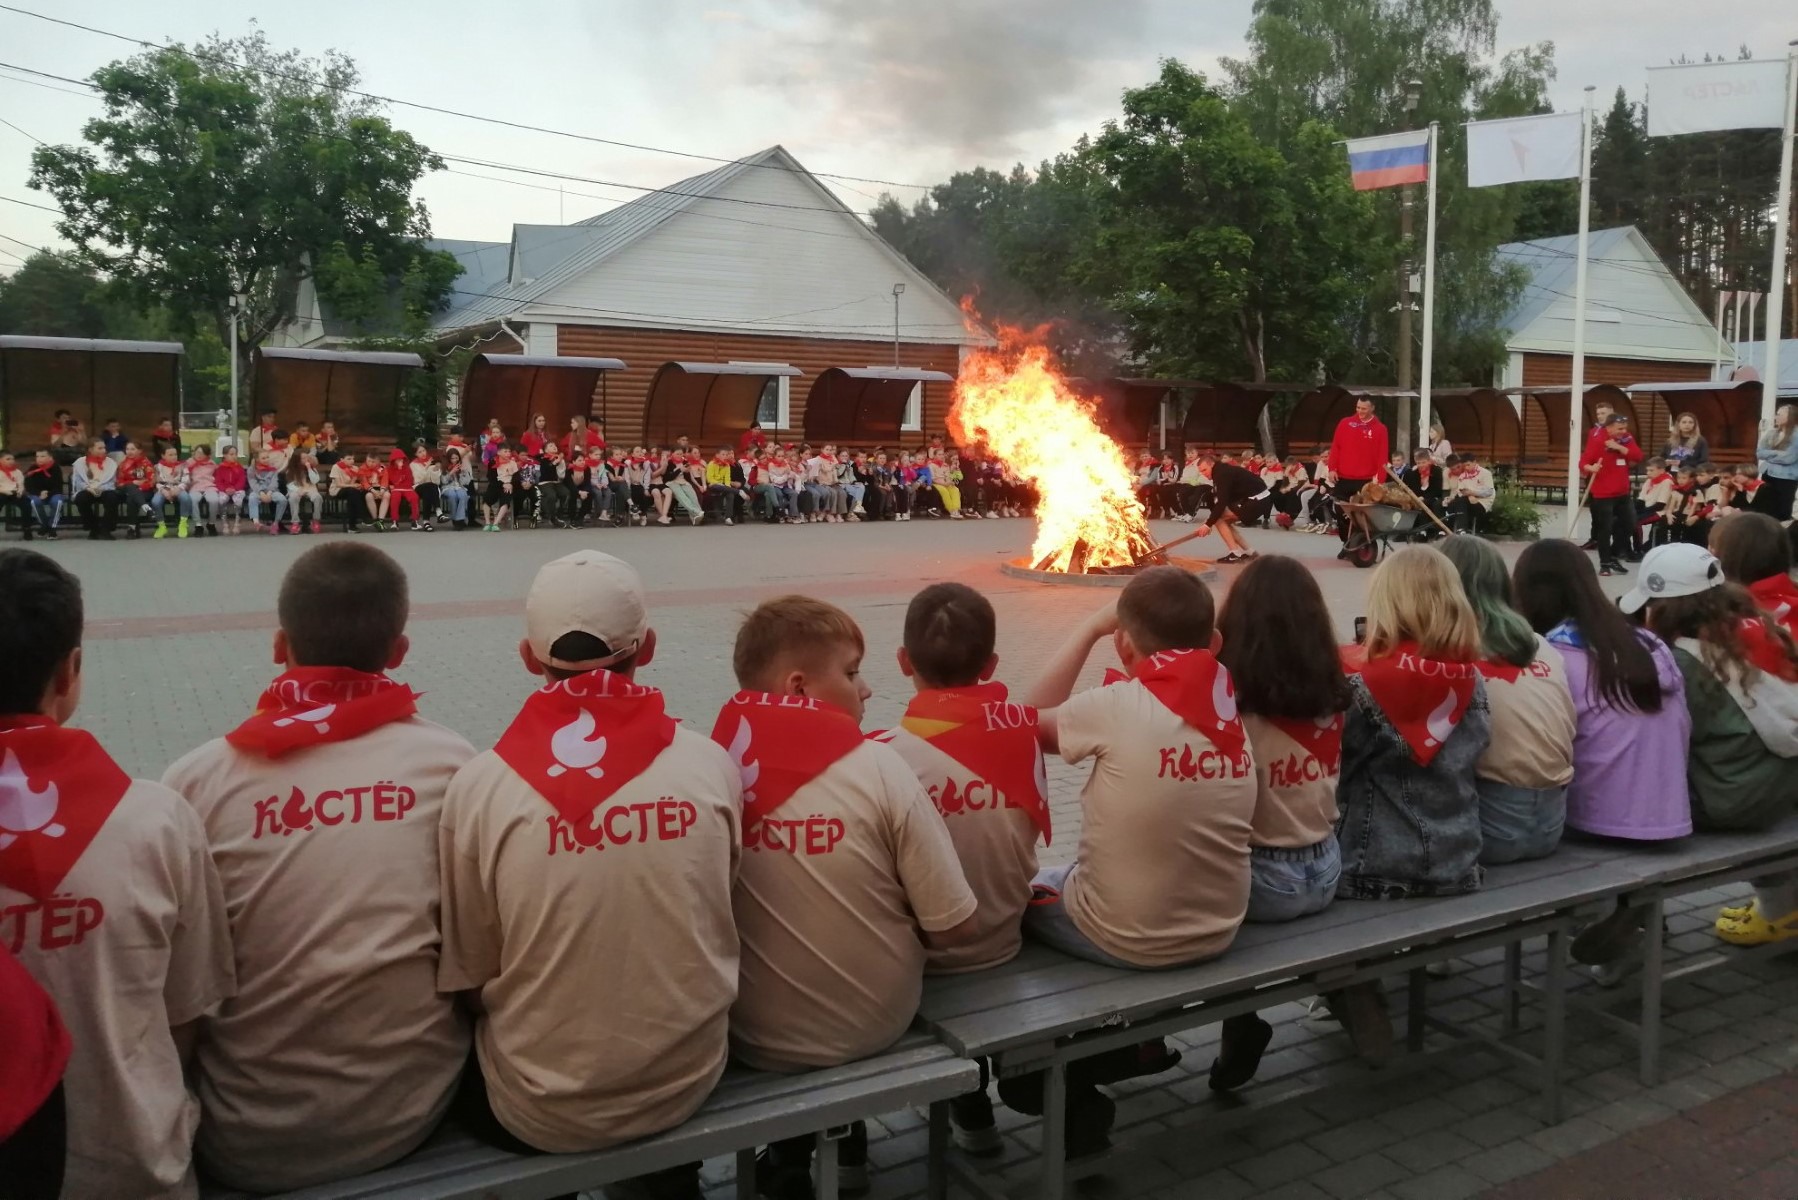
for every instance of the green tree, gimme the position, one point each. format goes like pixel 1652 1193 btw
pixel 1346 64
pixel 233 167
pixel 58 295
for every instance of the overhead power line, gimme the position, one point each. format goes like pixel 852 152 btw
pixel 451 112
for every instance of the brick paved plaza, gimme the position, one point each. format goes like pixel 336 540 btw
pixel 177 649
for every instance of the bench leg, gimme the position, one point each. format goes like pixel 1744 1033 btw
pixel 1513 985
pixel 1055 1132
pixel 746 1174
pixel 826 1158
pixel 1417 998
pixel 936 1185
pixel 1554 1023
pixel 1650 1027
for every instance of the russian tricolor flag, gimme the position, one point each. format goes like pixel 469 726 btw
pixel 1389 160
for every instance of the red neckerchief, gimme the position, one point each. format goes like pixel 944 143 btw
pixel 57 788
pixel 1658 480
pixel 1778 596
pixel 1423 698
pixel 992 738
pixel 13 474
pixel 1322 737
pixel 780 744
pixel 307 706
pixel 1423 476
pixel 93 463
pixel 1761 648
pixel 1195 687
pixel 578 740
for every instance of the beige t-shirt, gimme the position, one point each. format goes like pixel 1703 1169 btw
pixel 1532 725
pixel 603 951
pixel 997 848
pixel 338 1055
pixel 835 885
pixel 1162 875
pixel 1296 804
pixel 133 943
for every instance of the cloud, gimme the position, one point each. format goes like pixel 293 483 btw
pixel 976 77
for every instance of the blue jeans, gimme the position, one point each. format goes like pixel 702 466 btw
pixel 276 499
pixel 48 510
pixel 184 505
pixel 1287 883
pixel 1518 823
pixel 1048 922
pixel 456 500
pixel 855 491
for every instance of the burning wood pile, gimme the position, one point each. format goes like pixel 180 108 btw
pixel 1013 400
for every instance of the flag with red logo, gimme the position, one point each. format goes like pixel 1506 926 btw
pixel 57 788
pixel 307 706
pixel 990 736
pixel 780 744
pixel 578 740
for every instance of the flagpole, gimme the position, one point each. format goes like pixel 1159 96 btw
pixel 1429 299
pixel 1576 396
pixel 1777 280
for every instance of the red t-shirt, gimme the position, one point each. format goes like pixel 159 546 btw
pixel 34 1046
pixel 1360 449
pixel 1612 479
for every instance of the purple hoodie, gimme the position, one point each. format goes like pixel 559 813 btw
pixel 1629 768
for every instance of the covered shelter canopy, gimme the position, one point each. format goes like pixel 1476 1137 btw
pixel 358 390
pixel 1481 421
pixel 1729 415
pixel 136 383
pixel 514 388
pixel 862 404
pixel 1129 410
pixel 706 402
pixel 1226 417
pixel 1313 420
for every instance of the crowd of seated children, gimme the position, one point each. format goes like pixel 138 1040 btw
pixel 325 1031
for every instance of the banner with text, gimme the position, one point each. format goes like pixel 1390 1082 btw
pixel 1708 97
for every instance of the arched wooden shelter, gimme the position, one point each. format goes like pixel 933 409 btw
pixel 862 405
pixel 710 403
pixel 136 383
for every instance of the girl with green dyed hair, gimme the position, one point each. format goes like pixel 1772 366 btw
pixel 1522 778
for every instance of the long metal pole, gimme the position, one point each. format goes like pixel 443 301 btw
pixel 1429 297
pixel 1781 222
pixel 232 349
pixel 895 329
pixel 1576 397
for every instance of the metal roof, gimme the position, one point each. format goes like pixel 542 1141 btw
pixel 552 360
pixel 369 358
pixel 1551 263
pixel 19 341
pixel 913 374
pixel 735 368
pixel 1694 386
pixel 1754 354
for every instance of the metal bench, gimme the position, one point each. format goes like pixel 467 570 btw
pixel 1045 1010
pixel 748 1109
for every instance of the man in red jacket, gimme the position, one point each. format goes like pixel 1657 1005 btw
pixel 1358 454
pixel 1610 451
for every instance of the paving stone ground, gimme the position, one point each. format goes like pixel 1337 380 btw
pixel 178 648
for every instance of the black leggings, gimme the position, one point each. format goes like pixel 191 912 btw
pixel 32 1159
pixel 1774 497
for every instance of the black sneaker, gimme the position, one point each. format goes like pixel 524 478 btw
pixel 1608 938
pixel 1245 1040
pixel 971 1121
pixel 852 1161
pixel 1610 568
pixel 781 1176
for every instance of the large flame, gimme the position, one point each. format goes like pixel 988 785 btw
pixel 1013 400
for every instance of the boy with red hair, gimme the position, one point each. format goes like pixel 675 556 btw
pixel 849 878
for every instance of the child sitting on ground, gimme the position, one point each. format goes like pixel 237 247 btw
pixel 976 753
pixel 848 875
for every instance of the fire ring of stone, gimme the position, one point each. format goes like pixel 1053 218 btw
pixel 1110 577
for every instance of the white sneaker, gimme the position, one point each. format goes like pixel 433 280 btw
pixel 728 521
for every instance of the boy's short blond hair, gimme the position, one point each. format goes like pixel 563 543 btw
pixel 1166 608
pixel 790 629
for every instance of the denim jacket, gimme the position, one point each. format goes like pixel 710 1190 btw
pixel 1407 830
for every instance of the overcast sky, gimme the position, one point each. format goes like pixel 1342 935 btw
pixel 898 90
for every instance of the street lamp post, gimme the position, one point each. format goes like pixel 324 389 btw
pixel 898 290
pixel 1413 93
pixel 237 302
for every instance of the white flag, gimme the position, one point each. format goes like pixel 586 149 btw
pixel 1522 149
pixel 1707 97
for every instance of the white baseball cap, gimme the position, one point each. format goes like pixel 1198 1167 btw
pixel 1678 569
pixel 586 592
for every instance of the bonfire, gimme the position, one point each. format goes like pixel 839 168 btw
pixel 1014 401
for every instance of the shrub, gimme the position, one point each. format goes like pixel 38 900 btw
pixel 1513 513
